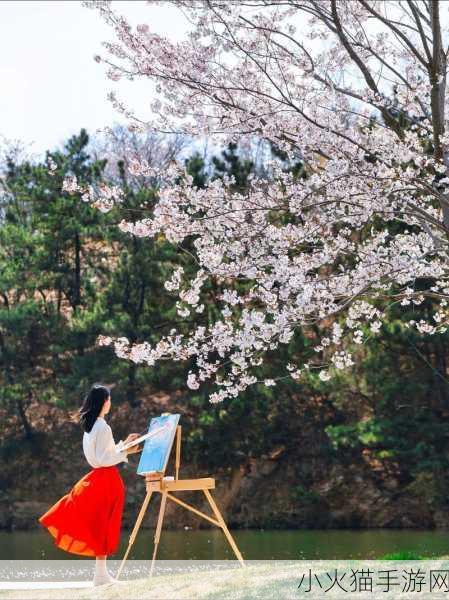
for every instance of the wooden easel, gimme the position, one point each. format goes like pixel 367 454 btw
pixel 157 482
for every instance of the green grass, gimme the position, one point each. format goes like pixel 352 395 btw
pixel 261 581
pixel 403 555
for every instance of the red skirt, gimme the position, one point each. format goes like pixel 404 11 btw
pixel 87 520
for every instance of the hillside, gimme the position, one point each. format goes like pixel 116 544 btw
pixel 293 486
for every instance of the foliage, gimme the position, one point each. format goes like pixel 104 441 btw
pixel 353 219
pixel 50 267
pixel 403 555
pixel 54 306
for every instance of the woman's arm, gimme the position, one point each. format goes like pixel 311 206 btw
pixel 105 449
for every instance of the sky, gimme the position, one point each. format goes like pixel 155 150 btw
pixel 51 85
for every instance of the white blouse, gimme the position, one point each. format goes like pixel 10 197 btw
pixel 99 446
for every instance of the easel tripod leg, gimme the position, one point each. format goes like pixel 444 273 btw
pixel 133 535
pixel 157 535
pixel 226 531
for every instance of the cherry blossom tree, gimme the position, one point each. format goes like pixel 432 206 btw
pixel 356 90
pixel 123 147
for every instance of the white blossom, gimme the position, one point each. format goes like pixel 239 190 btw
pixel 362 231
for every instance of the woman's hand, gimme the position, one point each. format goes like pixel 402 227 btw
pixel 131 437
pixel 133 449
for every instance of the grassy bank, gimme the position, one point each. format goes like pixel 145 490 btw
pixel 260 581
pixel 263 581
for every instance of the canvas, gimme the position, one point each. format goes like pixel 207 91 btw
pixel 156 451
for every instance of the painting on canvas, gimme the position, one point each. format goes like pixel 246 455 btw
pixel 156 451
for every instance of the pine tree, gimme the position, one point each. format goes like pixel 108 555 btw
pixel 51 268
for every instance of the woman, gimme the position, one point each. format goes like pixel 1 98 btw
pixel 87 520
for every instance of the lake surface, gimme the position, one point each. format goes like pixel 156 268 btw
pixel 254 544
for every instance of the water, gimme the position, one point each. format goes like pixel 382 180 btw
pixel 254 544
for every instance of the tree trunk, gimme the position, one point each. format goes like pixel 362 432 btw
pixel 77 284
pixel 29 434
pixel 440 379
pixel 59 301
pixel 131 386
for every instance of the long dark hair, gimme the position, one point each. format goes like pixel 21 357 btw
pixel 92 405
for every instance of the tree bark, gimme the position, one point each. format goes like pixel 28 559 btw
pixel 77 283
pixel 29 434
pixel 437 76
pixel 131 386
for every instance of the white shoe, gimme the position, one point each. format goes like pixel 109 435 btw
pixel 104 579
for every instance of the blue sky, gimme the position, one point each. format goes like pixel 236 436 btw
pixel 51 86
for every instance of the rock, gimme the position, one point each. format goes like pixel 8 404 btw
pixel 5 516
pixel 391 483
pixel 441 519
